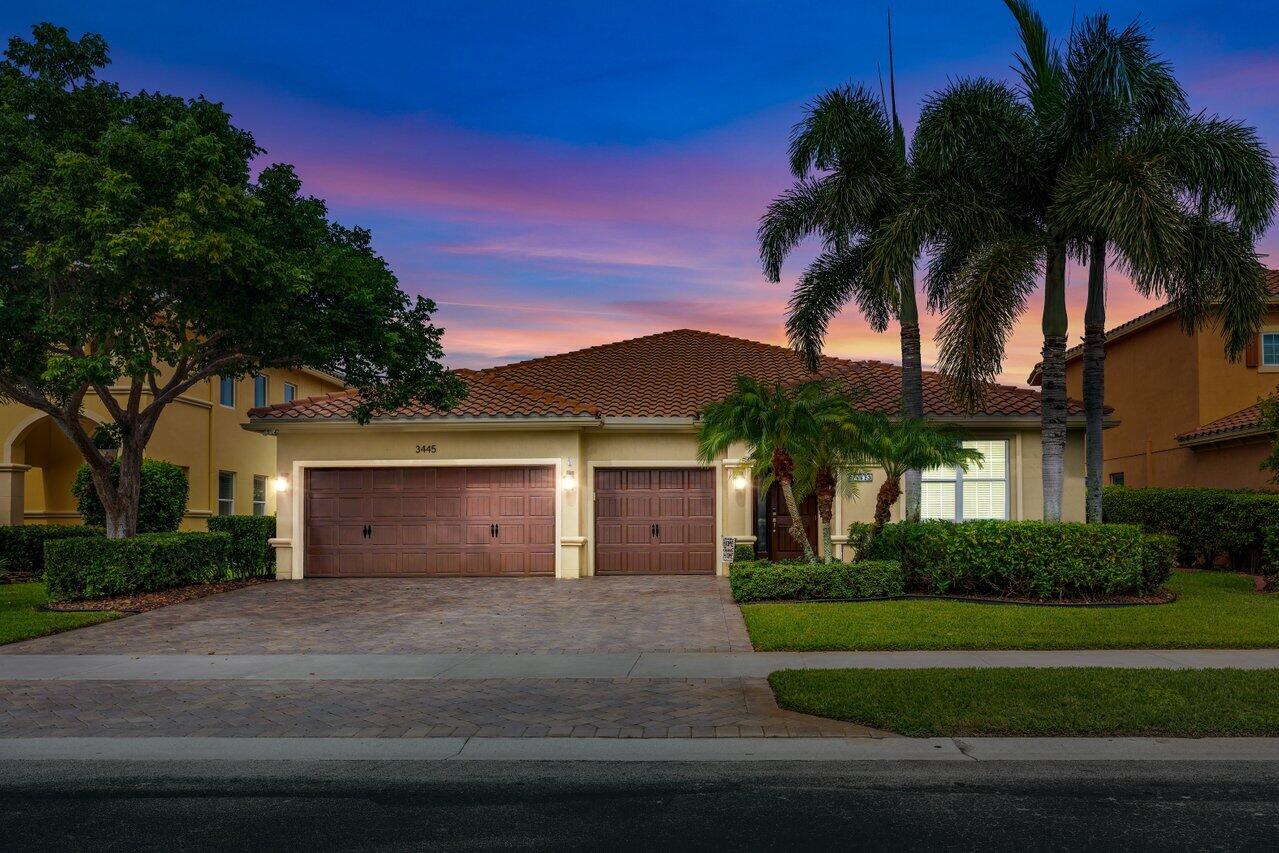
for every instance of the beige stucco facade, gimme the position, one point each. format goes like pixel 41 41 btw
pixel 38 463
pixel 581 445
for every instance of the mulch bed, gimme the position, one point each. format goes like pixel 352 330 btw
pixel 144 601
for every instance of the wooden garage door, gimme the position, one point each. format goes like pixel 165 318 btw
pixel 658 521
pixel 402 522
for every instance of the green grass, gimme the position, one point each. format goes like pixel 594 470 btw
pixel 1213 611
pixel 1040 702
pixel 20 618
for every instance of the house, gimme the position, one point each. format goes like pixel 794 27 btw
pixel 228 469
pixel 1187 415
pixel 585 463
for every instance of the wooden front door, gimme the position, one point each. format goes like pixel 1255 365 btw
pixel 406 522
pixel 654 521
pixel 780 544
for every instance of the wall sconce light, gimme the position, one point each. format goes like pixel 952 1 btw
pixel 282 483
pixel 739 481
pixel 569 480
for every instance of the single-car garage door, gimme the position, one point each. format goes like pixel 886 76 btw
pixel 654 521
pixel 451 521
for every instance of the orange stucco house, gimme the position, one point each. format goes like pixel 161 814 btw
pixel 1187 416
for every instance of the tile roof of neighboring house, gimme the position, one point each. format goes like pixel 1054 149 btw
pixel 670 374
pixel 1246 421
pixel 1129 326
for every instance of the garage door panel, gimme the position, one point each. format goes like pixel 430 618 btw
pixel 541 533
pixel 447 506
pixel 679 501
pixel 478 534
pixel 450 533
pixel 323 508
pixel 478 478
pixel 479 506
pixel 386 508
pixel 353 480
pixel 350 534
pixel 386 479
pixel 509 533
pixel 349 508
pixel 450 478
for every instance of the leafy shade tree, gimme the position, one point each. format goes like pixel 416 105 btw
pixel 776 424
pixel 138 258
pixel 897 445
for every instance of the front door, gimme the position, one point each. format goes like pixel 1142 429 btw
pixel 780 544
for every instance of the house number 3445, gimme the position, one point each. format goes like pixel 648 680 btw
pixel 426 448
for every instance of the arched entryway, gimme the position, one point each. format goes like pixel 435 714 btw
pixel 37 469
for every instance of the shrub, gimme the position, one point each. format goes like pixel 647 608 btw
pixel 1030 559
pixel 1209 524
pixel 1160 557
pixel 161 504
pixel 743 553
pixel 22 545
pixel 761 580
pixel 101 567
pixel 251 555
pixel 860 535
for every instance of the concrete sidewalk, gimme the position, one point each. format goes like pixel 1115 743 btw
pixel 397 667
pixel 188 749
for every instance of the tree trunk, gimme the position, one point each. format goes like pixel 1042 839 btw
pixel 888 494
pixel 1053 391
pixel 122 512
pixel 825 490
pixel 1095 377
pixel 912 384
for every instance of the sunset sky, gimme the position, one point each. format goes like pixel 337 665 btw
pixel 556 175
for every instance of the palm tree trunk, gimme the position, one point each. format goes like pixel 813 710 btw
pixel 912 383
pixel 796 529
pixel 825 490
pixel 1053 392
pixel 1095 376
pixel 888 494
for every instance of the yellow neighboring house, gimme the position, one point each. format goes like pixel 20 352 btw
pixel 230 470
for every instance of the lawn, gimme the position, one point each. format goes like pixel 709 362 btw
pixel 1040 702
pixel 1213 611
pixel 21 618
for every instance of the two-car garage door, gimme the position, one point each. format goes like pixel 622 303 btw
pixel 449 521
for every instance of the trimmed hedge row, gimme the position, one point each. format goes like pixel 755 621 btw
pixel 22 545
pixel 1210 524
pixel 760 580
pixel 1026 559
pixel 101 567
pixel 251 555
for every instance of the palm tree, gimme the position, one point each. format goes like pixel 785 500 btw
pixel 852 174
pixel 836 446
pixel 897 445
pixel 774 423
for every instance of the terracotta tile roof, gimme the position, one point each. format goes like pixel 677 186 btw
pixel 670 374
pixel 1272 281
pixel 487 396
pixel 1244 421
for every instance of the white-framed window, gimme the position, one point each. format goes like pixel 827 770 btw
pixel 1270 349
pixel 226 493
pixel 259 494
pixel 290 392
pixel 980 492
pixel 226 391
pixel 259 390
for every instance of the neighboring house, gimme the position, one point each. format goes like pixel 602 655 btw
pixel 1187 416
pixel 586 463
pixel 229 470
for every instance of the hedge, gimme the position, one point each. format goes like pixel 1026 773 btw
pixel 1210 524
pixel 22 545
pixel 1026 559
pixel 101 567
pixel 251 555
pixel 761 580
pixel 162 501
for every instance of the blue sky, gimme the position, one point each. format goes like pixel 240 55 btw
pixel 562 174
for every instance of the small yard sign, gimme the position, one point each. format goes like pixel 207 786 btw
pixel 728 545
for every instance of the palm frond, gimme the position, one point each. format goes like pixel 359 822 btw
pixel 840 126
pixel 1039 64
pixel 831 282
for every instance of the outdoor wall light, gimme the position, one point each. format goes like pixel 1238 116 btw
pixel 281 483
pixel 739 482
pixel 569 481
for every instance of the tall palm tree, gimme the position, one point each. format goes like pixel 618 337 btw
pixel 897 445
pixel 774 423
pixel 852 174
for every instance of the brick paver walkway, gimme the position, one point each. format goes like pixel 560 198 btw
pixel 637 707
pixel 378 616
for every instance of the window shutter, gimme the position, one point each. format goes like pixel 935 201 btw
pixel 1250 354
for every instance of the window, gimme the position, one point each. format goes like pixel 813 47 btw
pixel 1116 478
pixel 980 492
pixel 1270 349
pixel 290 392
pixel 226 391
pixel 226 493
pixel 259 390
pixel 259 494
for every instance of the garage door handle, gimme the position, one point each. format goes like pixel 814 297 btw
pixel 657 530
pixel 368 531
pixel 494 529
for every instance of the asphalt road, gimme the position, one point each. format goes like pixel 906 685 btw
pixel 483 805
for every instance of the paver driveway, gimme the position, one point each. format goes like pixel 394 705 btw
pixel 377 616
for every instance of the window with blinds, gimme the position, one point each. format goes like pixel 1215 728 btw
pixel 980 492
